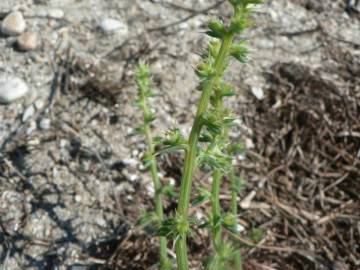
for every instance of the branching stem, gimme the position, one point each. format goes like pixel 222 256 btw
pixel 144 88
pixel 190 157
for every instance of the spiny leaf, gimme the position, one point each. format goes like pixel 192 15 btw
pixel 240 184
pixel 256 234
pixel 236 148
pixel 169 190
pixel 172 149
pixel 203 195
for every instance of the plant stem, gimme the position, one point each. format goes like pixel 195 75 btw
pixel 234 211
pixel 156 182
pixel 234 206
pixel 216 211
pixel 190 156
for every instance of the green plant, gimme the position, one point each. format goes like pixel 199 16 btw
pixel 145 92
pixel 211 123
pixel 208 144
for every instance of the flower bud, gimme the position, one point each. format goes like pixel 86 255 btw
pixel 217 29
pixel 239 51
pixel 204 70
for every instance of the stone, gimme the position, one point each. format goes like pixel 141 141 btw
pixel 258 92
pixel 108 25
pixel 39 104
pixel 14 24
pixel 45 123
pixel 56 13
pixel 27 41
pixel 12 89
pixel 28 113
pixel 31 127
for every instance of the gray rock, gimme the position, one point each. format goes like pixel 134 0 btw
pixel 28 41
pixel 28 113
pixel 39 104
pixel 258 92
pixel 12 89
pixel 55 13
pixel 108 25
pixel 31 128
pixel 14 24
pixel 45 124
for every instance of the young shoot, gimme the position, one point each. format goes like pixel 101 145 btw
pixel 144 93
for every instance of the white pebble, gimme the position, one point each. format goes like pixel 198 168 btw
pixel 150 189
pixel 28 41
pixel 132 177
pixel 56 13
pixel 78 198
pixel 29 111
pixel 63 143
pixel 239 228
pixel 13 24
pixel 12 89
pixel 130 162
pixel 111 25
pixel 39 104
pixel 258 92
pixel 249 144
pixel 31 128
pixel 45 124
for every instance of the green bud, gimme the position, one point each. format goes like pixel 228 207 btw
pixel 217 29
pixel 214 48
pixel 239 51
pixel 226 251
pixel 239 23
pixel 182 226
pixel 150 117
pixel 229 220
pixel 205 70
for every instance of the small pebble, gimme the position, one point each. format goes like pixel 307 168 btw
pixel 258 92
pixel 132 177
pixel 111 25
pixel 56 13
pixel 31 128
pixel 39 104
pixel 78 198
pixel 63 143
pixel 27 41
pixel 45 124
pixel 29 111
pixel 12 89
pixel 13 24
pixel 239 228
pixel 150 189
pixel 130 162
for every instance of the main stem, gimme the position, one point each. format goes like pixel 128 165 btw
pixel 215 188
pixel 190 157
pixel 234 211
pixel 216 211
pixel 157 186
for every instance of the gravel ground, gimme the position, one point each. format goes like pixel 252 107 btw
pixel 70 174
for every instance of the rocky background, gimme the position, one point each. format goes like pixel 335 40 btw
pixel 72 186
